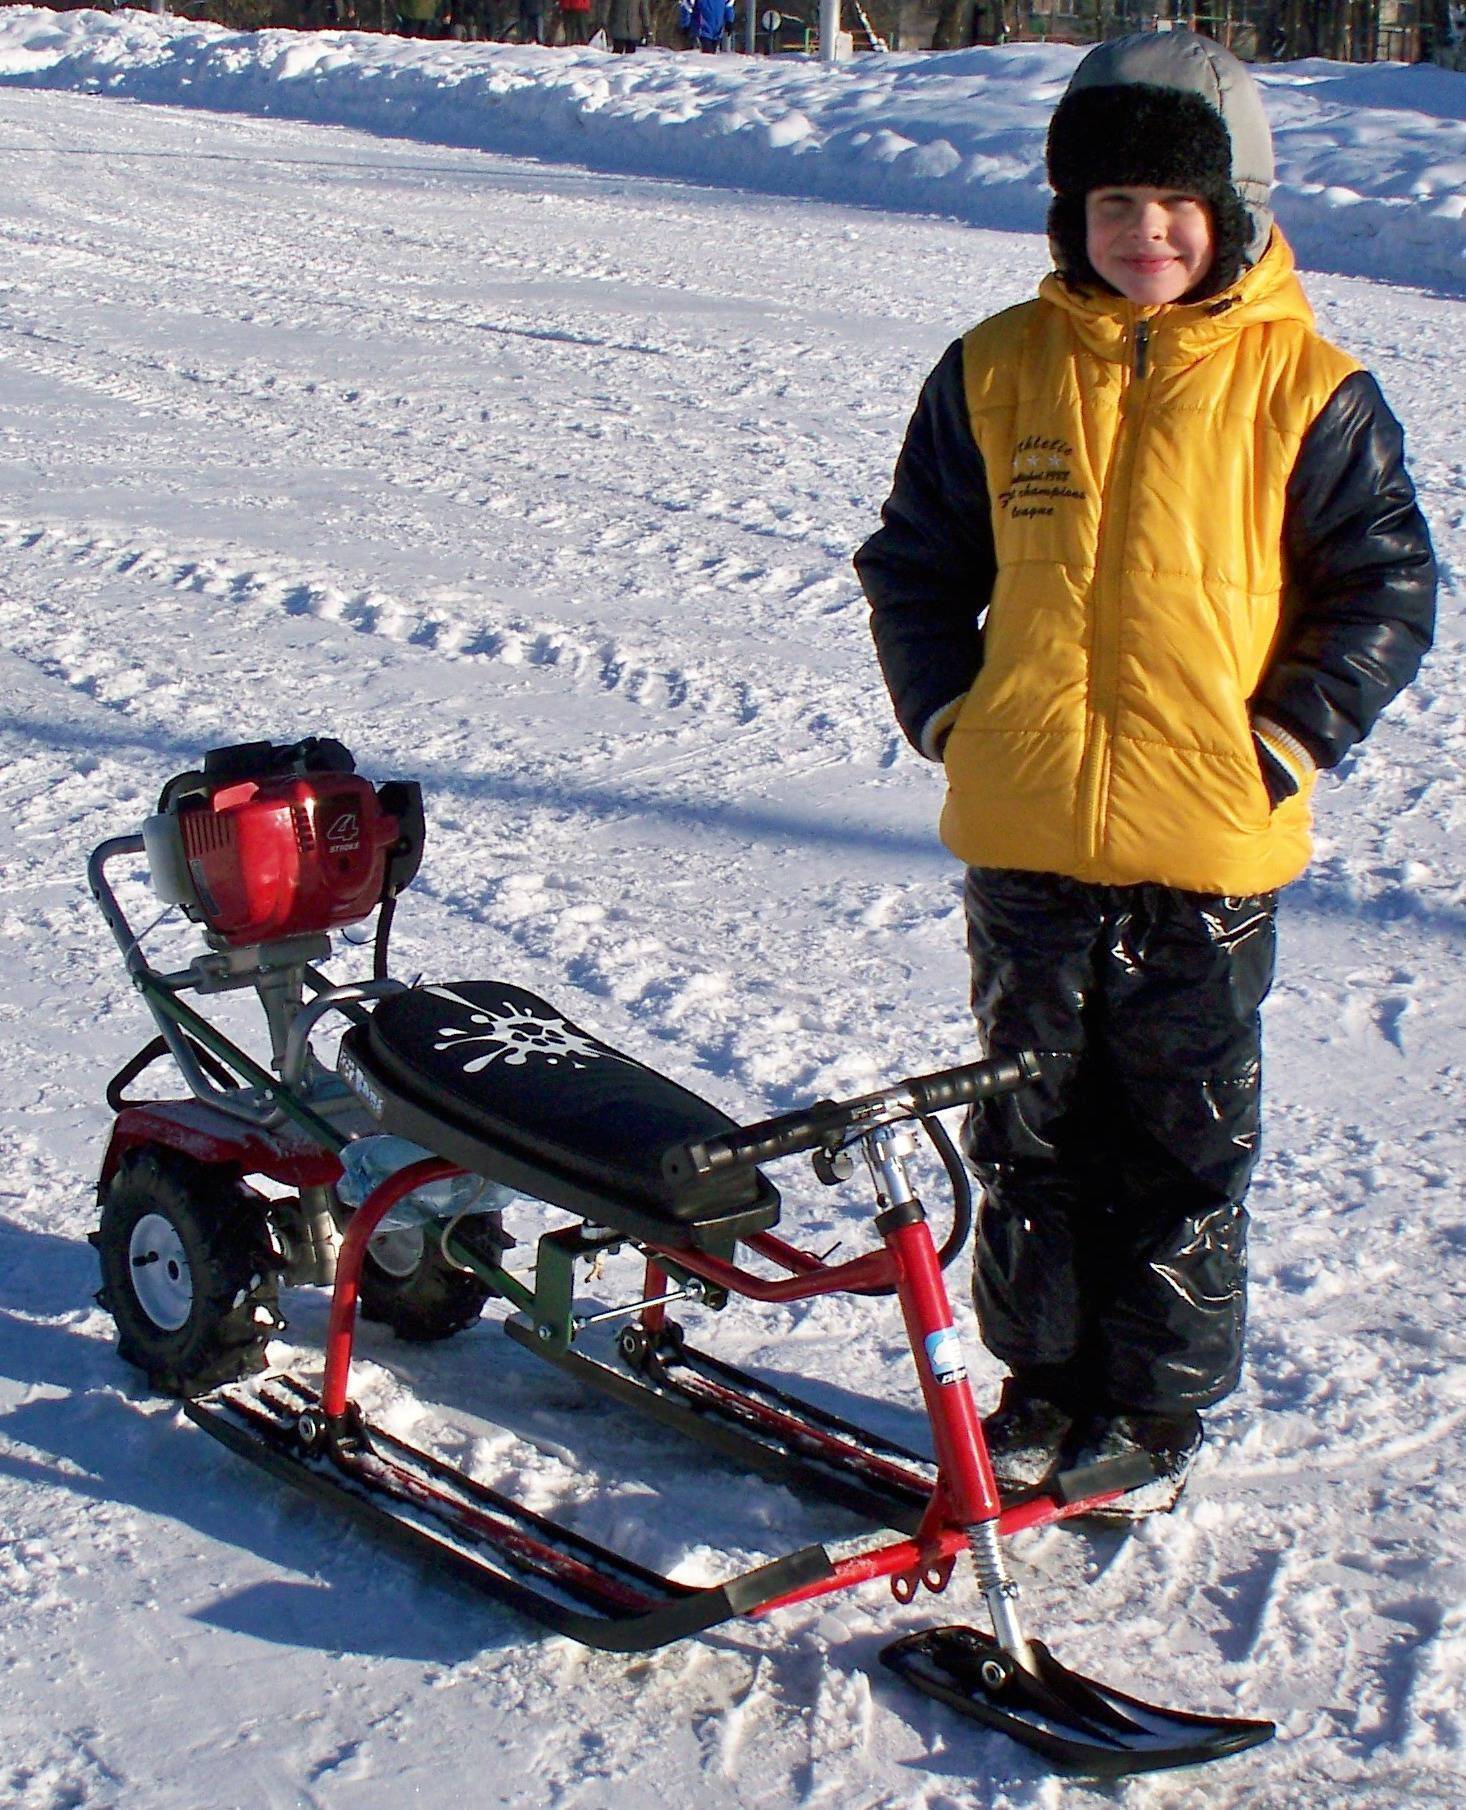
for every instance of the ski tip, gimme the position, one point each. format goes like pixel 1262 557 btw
pixel 1084 1727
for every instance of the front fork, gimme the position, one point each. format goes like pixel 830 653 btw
pixel 966 1492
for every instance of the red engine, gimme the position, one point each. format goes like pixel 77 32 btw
pixel 271 842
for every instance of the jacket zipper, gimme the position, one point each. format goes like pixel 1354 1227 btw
pixel 1108 605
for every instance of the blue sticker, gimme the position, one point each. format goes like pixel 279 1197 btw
pixel 944 1354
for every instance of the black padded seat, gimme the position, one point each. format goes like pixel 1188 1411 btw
pixel 496 1080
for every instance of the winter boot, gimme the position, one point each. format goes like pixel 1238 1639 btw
pixel 1026 1434
pixel 1170 1442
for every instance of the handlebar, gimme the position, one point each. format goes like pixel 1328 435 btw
pixel 829 1123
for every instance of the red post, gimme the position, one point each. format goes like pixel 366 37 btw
pixel 653 1319
pixel 962 1455
pixel 368 1216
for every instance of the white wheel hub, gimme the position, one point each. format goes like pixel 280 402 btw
pixel 161 1278
pixel 398 1250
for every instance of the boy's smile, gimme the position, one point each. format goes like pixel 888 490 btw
pixel 1153 245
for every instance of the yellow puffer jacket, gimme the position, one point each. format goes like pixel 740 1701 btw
pixel 1137 462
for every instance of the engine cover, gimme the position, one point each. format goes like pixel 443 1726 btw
pixel 287 856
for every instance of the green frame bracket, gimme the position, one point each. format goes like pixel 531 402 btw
pixel 199 1028
pixel 507 1287
pixel 549 1306
pixel 552 1305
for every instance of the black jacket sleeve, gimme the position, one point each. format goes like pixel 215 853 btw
pixel 1360 607
pixel 928 569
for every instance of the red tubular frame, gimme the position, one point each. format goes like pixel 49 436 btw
pixel 341 1330
pixel 965 1493
pixel 907 1261
pixel 967 1483
pixel 875 1269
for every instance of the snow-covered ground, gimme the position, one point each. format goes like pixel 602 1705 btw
pixel 540 484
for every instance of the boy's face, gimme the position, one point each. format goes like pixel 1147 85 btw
pixel 1153 245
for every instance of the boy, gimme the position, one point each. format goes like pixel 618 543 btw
pixel 1150 559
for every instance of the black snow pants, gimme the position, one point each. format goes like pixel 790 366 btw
pixel 1112 1231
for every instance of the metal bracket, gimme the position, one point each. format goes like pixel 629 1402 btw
pixel 551 1308
pixel 933 1575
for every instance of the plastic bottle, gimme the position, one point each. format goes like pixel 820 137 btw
pixel 367 1162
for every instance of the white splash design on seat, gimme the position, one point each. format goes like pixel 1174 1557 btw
pixel 516 1036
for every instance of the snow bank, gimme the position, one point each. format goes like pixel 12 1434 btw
pixel 1371 160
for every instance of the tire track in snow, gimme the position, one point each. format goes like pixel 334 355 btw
pixel 509 639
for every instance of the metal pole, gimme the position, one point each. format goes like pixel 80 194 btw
pixel 829 30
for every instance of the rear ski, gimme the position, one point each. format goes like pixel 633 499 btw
pixel 754 1424
pixel 555 1576
pixel 791 1441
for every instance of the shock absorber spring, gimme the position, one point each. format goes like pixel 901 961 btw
pixel 999 1591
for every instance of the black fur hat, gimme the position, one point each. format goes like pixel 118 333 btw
pixel 1142 136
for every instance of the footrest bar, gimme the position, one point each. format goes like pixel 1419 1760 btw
pixel 1108 1477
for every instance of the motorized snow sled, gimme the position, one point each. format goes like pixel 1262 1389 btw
pixel 383 1177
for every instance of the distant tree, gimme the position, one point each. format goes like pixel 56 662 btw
pixel 1347 31
pixel 1444 32
pixel 953 28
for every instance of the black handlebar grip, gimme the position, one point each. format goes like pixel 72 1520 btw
pixel 815 1125
pixel 973 1081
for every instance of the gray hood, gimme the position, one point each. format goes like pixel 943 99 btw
pixel 1191 64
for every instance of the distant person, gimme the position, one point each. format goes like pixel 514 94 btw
pixel 528 25
pixel 417 18
pixel 1151 561
pixel 466 20
pixel 706 23
pixel 575 21
pixel 628 23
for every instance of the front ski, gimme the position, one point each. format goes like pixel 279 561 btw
pixel 1074 1721
pixel 550 1573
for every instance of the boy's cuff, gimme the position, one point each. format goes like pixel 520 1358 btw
pixel 1285 750
pixel 938 727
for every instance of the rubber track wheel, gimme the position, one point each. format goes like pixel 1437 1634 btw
pixel 223 1230
pixel 432 1301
